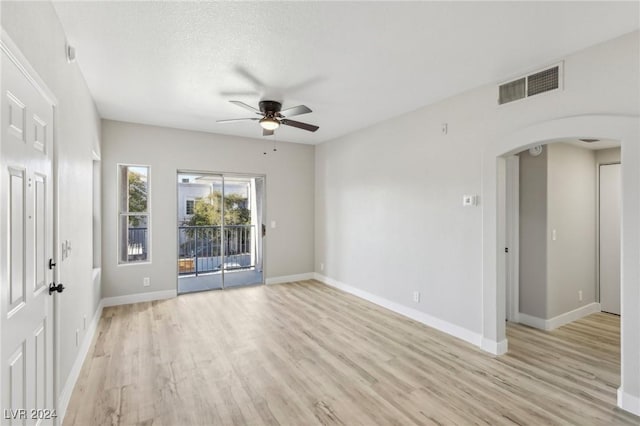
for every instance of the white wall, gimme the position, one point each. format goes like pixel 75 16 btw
pixel 389 216
pixel 289 198
pixel 571 211
pixel 35 29
pixel 608 156
pixel 557 193
pixel 533 234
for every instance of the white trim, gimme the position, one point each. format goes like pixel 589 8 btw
pixel 560 320
pixel 493 347
pixel 72 378
pixel 15 55
pixel 532 321
pixel 139 297
pixel 628 402
pixel 512 202
pixel 290 278
pixel 574 315
pixel 426 319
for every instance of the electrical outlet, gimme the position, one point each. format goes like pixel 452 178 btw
pixel 146 282
pixel 322 267
pixel 580 295
pixel 416 296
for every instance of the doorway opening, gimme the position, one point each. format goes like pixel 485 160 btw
pixel 621 128
pixel 220 230
pixel 563 218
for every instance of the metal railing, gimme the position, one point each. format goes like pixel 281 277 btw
pixel 137 243
pixel 200 248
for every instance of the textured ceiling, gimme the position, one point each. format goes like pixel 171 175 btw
pixel 178 64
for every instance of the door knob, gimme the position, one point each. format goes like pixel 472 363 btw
pixel 52 264
pixel 53 288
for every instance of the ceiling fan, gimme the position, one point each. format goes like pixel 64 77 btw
pixel 273 116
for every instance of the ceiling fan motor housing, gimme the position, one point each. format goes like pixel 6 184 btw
pixel 270 107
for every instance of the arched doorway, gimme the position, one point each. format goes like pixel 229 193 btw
pixel 625 129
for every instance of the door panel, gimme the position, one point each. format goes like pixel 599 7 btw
pixel 26 224
pixel 199 232
pixel 40 220
pixel 610 204
pixel 16 238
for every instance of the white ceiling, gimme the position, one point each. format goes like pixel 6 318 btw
pixel 178 64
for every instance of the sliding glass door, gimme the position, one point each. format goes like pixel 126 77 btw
pixel 220 222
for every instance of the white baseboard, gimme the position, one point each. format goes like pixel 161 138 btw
pixel 426 319
pixel 571 316
pixel 67 390
pixel 493 347
pixel 560 320
pixel 139 297
pixel 290 278
pixel 532 321
pixel 628 402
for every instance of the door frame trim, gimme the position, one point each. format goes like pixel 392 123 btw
pixel 15 55
pixel 512 234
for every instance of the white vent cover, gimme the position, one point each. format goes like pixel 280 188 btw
pixel 533 84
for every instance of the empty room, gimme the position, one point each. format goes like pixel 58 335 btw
pixel 319 212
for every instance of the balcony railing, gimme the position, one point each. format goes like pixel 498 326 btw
pixel 137 244
pixel 200 248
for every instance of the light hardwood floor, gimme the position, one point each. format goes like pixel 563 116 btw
pixel 304 353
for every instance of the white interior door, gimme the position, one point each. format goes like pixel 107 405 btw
pixel 26 232
pixel 610 205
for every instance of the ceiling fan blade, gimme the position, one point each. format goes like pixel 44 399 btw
pixel 237 119
pixel 299 125
pixel 245 106
pixel 296 110
pixel 266 132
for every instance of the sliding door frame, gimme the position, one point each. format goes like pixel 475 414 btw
pixel 222 176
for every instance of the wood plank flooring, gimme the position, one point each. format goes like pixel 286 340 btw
pixel 304 354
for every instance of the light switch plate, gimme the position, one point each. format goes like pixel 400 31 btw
pixel 469 200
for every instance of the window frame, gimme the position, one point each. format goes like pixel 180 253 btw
pixel 121 214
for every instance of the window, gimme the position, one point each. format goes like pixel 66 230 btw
pixel 189 207
pixel 133 212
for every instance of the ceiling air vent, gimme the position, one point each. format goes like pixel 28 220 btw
pixel 543 81
pixel 512 91
pixel 530 85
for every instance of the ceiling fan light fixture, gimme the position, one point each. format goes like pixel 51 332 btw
pixel 269 123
